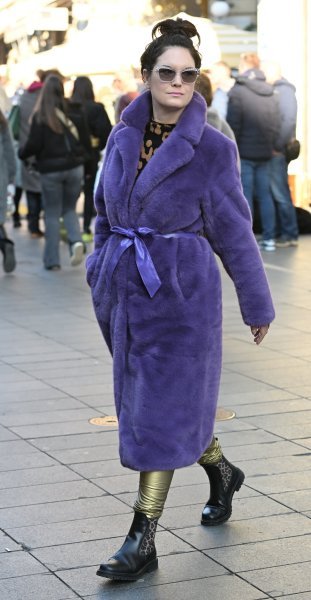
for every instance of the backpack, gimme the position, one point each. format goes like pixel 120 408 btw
pixel 14 120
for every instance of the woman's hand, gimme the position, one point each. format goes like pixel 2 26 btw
pixel 259 332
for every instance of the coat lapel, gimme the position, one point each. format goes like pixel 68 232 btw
pixel 174 153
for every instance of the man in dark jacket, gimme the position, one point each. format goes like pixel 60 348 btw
pixel 286 94
pixel 253 114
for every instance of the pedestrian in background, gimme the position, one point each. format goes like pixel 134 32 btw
pixel 286 94
pixel 7 178
pixel 99 127
pixel 60 143
pixel 156 285
pixel 222 82
pixel 30 176
pixel 204 87
pixel 253 114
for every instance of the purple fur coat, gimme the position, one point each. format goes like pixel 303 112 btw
pixel 167 348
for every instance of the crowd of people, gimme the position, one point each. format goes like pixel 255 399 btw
pixel 58 143
pixel 51 149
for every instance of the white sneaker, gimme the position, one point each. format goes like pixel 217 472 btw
pixel 267 245
pixel 76 251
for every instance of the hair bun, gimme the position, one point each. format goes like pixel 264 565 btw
pixel 172 27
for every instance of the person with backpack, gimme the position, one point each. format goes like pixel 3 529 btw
pixel 60 143
pixel 99 126
pixel 7 177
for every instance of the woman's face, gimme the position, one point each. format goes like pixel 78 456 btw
pixel 170 97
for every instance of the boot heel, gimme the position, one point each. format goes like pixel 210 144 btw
pixel 152 566
pixel 240 481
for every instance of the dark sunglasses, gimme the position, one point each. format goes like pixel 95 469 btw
pixel 167 74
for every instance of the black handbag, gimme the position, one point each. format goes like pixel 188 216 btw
pixel 292 150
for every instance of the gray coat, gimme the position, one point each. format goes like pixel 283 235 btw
pixel 30 177
pixel 7 167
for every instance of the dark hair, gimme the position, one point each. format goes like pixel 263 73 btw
pixel 51 97
pixel 204 87
pixel 82 90
pixel 43 75
pixel 170 33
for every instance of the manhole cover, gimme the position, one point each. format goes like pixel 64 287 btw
pixel 224 414
pixel 104 421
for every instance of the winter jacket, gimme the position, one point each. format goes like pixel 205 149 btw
pixel 166 345
pixel 98 123
pixel 7 167
pixel 286 95
pixel 253 114
pixel 30 176
pixel 58 151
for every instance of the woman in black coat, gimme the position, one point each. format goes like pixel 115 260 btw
pixel 99 127
pixel 59 139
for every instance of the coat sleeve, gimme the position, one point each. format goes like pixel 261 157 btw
pixel 234 113
pixel 9 153
pixel 228 226
pixel 34 142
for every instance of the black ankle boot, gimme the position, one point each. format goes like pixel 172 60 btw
pixel 225 479
pixel 137 555
pixel 7 249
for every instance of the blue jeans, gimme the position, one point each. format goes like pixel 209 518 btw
pixel 286 213
pixel 60 192
pixel 256 182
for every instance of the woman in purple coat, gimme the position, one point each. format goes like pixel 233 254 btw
pixel 168 178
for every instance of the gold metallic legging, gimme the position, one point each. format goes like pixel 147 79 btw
pixel 154 485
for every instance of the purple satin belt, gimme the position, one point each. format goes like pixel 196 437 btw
pixel 143 259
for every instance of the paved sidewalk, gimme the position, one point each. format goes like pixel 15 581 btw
pixel 65 502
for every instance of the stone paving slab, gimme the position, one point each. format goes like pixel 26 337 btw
pixel 55 416
pixel 97 437
pixel 6 435
pixel 36 494
pixel 39 407
pixel 249 530
pixel 297 500
pixel 90 454
pixel 91 553
pixel 68 510
pixel 283 482
pixel 276 581
pixel 216 588
pixel 36 586
pixel 52 534
pixel 263 450
pixel 244 508
pixel 262 555
pixel 100 468
pixel 272 408
pixel 18 564
pixel 42 475
pixel 189 566
pixel 252 398
pixel 7 544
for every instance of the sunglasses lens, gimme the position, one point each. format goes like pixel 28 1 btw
pixel 166 74
pixel 189 76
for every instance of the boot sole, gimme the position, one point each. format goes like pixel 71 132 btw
pixel 152 566
pixel 237 485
